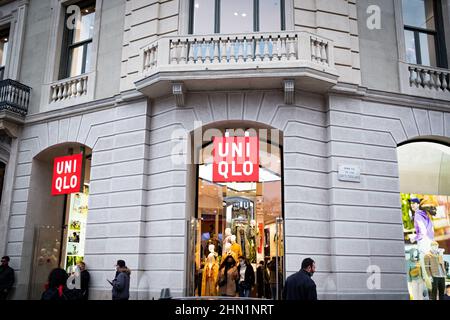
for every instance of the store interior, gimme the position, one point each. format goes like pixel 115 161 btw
pixel 424 171
pixel 247 215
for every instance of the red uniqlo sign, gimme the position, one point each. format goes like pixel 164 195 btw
pixel 236 159
pixel 67 174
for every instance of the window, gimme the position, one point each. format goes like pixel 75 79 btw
pixel 236 16
pixel 77 43
pixel 4 41
pixel 424 38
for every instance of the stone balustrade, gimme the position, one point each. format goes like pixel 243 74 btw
pixel 429 78
pixel 246 50
pixel 70 88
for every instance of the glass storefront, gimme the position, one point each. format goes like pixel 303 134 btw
pixel 239 219
pixel 59 233
pixel 424 180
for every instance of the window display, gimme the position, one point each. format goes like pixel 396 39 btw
pixel 232 219
pixel 76 227
pixel 426 226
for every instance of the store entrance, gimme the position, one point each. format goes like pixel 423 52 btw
pixel 58 222
pixel 424 171
pixel 239 219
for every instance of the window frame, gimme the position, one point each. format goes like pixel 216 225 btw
pixel 68 45
pixel 438 34
pixel 256 22
pixel 3 31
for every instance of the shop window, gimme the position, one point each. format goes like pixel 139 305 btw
pixel 236 16
pixel 2 178
pixel 423 31
pixel 59 221
pixel 424 171
pixel 239 219
pixel 77 42
pixel 4 44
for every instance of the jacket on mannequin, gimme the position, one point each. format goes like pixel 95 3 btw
pixel 209 281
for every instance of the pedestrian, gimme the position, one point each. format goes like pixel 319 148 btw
pixel 56 288
pixel 85 277
pixel 121 283
pixel 246 279
pixel 300 286
pixel 261 279
pixel 228 275
pixel 274 284
pixel 6 278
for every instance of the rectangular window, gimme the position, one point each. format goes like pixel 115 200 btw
pixel 204 12
pixel 423 33
pixel 4 44
pixel 269 20
pixel 77 45
pixel 236 16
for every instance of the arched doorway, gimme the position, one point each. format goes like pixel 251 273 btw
pixel 238 218
pixel 424 172
pixel 57 221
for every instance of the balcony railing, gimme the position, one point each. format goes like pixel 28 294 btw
pixel 70 88
pixel 429 78
pixel 14 97
pixel 254 55
pixel 242 49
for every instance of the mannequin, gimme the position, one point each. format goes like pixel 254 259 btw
pixel 414 269
pixel 227 237
pixel 210 273
pixel 422 223
pixel 235 247
pixel 251 236
pixel 434 264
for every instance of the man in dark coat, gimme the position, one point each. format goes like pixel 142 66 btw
pixel 85 277
pixel 121 284
pixel 6 278
pixel 300 286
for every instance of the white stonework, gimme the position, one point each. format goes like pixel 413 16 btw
pixel 141 202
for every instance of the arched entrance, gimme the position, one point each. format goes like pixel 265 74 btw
pixel 57 214
pixel 424 172
pixel 238 218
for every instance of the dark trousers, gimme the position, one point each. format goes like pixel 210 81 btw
pixel 244 291
pixel 438 288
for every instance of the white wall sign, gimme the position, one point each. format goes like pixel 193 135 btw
pixel 349 173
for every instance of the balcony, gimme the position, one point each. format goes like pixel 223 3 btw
pixel 14 102
pixel 245 61
pixel 424 81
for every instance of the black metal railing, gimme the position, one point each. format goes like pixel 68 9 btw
pixel 14 96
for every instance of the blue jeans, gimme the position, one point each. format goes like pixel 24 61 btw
pixel 244 291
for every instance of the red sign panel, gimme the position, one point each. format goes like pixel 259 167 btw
pixel 236 159
pixel 67 174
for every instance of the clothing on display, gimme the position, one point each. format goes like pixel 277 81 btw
pixel 209 280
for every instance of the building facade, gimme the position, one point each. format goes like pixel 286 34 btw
pixel 340 84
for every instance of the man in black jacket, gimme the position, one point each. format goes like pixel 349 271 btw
pixel 6 278
pixel 300 286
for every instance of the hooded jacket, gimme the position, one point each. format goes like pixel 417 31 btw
pixel 423 225
pixel 121 284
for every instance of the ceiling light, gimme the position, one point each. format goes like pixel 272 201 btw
pixel 197 6
pixel 236 14
pixel 244 14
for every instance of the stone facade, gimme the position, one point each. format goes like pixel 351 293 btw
pixel 141 203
